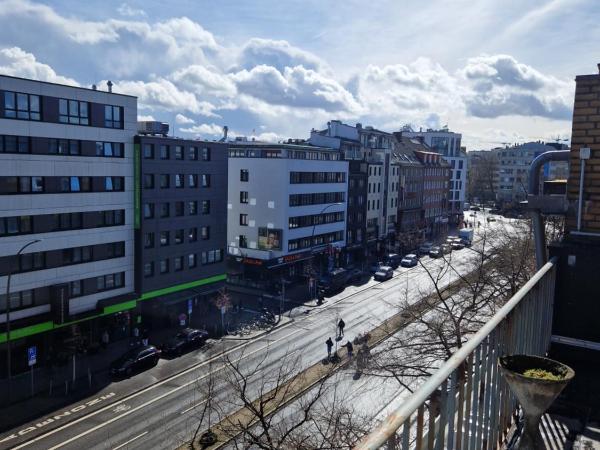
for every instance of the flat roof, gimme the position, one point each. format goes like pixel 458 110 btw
pixel 277 145
pixel 66 85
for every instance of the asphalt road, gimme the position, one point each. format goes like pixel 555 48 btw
pixel 166 414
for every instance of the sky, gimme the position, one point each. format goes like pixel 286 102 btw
pixel 494 70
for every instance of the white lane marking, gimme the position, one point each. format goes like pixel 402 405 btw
pixel 121 408
pixel 397 277
pixel 143 405
pixel 192 407
pixel 130 441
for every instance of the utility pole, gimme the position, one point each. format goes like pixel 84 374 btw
pixel 8 356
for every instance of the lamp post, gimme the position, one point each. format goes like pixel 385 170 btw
pixel 8 358
pixel 325 208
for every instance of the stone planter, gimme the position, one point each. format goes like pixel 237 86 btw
pixel 534 394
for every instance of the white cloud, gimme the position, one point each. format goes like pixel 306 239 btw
pixel 163 94
pixel 204 128
pixel 181 119
pixel 503 86
pixel 201 80
pixel 16 62
pixel 125 10
pixel 278 54
pixel 296 87
pixel 145 118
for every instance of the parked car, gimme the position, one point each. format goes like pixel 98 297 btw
pixel 435 252
pixel 491 219
pixel 446 249
pixel 465 242
pixel 353 275
pixel 393 260
pixel 425 248
pixel 136 359
pixel 457 245
pixel 375 266
pixel 410 260
pixel 475 208
pixel 185 340
pixel 384 273
pixel 333 282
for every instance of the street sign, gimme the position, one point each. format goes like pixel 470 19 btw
pixel 182 318
pixel 32 355
pixel 189 306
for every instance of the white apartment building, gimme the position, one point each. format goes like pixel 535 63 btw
pixel 66 189
pixel 286 203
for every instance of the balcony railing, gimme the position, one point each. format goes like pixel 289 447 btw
pixel 466 404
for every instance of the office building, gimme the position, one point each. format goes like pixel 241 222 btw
pixel 66 201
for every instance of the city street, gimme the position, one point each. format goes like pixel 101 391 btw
pixel 165 414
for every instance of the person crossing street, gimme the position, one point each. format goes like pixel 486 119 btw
pixel 329 344
pixel 341 325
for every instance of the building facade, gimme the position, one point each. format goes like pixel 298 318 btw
pixel 66 197
pixel 448 144
pixel 436 179
pixel 180 238
pixel 286 211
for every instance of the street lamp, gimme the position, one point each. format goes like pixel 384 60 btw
pixel 312 236
pixel 8 359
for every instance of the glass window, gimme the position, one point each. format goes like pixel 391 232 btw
pixel 37 184
pixel 119 282
pixel 148 240
pixel 179 236
pixel 243 196
pixel 164 238
pixel 148 181
pixel 178 263
pixel 164 152
pixel 73 112
pixel 205 232
pixel 193 153
pixel 164 266
pixel 112 116
pixel 110 281
pixel 244 219
pixel 10 106
pixel 23 144
pixel 179 180
pixel 148 210
pixel 244 175
pixel 192 260
pixel 21 106
pixel 205 154
pixel 148 151
pixel 192 207
pixel 164 180
pixel 10 144
pixel 164 210
pixel 108 183
pixel 193 234
pixel 192 180
pixel 205 206
pixel 179 208
pixel 205 180
pixel 100 283
pixel 178 152
pixel 76 288
pixel 148 269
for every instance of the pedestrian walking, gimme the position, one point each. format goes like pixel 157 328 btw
pixel 350 348
pixel 341 325
pixel 329 344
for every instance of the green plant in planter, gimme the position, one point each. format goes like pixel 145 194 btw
pixel 542 374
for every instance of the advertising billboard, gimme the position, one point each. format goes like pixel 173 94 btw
pixel 269 238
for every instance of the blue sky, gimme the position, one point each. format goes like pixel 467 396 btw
pixel 496 71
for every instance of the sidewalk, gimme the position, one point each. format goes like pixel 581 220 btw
pixel 55 389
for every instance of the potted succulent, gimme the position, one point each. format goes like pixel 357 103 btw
pixel 536 382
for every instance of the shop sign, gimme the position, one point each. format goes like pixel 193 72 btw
pixel 182 318
pixel 253 261
pixel 32 355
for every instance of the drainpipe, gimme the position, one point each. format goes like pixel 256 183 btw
pixel 539 234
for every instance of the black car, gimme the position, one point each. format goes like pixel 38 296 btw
pixel 393 260
pixel 354 276
pixel 333 282
pixel 134 360
pixel 185 340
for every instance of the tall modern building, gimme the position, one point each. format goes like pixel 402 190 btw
pixel 180 235
pixel 286 210
pixel 448 144
pixel 66 205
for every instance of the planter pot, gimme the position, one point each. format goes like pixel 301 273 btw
pixel 534 394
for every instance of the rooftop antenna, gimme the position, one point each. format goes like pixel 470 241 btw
pixel 225 130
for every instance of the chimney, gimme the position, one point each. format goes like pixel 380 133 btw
pixel 94 87
pixel 110 85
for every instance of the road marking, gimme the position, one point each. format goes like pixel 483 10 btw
pixel 130 441
pixel 397 277
pixel 121 408
pixel 192 407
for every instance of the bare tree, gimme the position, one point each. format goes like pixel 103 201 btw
pixel 483 173
pixel 268 403
pixel 441 320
